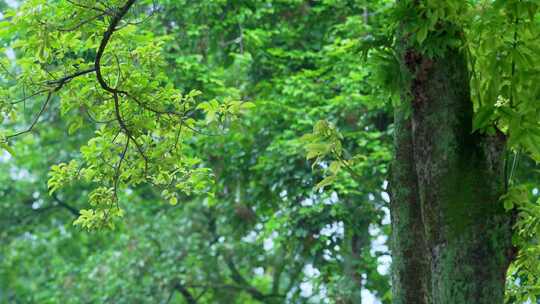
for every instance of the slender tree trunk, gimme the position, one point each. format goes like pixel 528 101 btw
pixel 451 235
pixel 357 239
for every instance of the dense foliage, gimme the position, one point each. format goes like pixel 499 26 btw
pixel 234 151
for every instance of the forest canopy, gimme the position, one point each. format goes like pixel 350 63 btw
pixel 276 151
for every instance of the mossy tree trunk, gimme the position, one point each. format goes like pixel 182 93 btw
pixel 451 235
pixel 410 261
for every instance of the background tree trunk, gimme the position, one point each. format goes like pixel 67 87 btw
pixel 357 240
pixel 451 235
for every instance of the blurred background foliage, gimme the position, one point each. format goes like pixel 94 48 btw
pixel 267 236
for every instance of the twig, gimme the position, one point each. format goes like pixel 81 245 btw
pixel 36 119
pixel 118 167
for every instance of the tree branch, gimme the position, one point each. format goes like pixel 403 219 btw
pixel 59 83
pixel 105 40
pixel 239 279
pixel 185 292
pixel 64 205
pixel 36 119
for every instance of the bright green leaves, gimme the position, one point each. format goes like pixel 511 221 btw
pixel 4 145
pixel 103 200
pixel 422 20
pixel 187 181
pixel 523 284
pixel 505 71
pixel 219 113
pixel 318 149
pixel 515 197
pixel 324 141
pixel 324 144
pixel 333 170
pixel 62 174
pixel 110 77
pixel 105 210
pixel 520 124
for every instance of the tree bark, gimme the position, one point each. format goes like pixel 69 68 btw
pixel 451 235
pixel 410 260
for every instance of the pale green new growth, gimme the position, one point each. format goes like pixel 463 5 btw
pixel 99 68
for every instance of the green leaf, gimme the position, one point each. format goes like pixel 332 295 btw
pixel 6 147
pixel 325 182
pixel 508 205
pixel 483 118
pixel 334 167
pixel 421 35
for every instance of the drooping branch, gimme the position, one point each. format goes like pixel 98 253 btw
pixel 114 91
pixel 57 85
pixel 36 119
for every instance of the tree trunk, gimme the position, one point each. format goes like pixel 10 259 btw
pixel 356 240
pixel 410 260
pixel 451 235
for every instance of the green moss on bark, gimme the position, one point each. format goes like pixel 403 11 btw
pixel 410 272
pixel 451 235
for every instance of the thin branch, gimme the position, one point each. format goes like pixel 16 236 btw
pixel 146 107
pixel 29 96
pixel 143 20
pixel 118 167
pixel 59 83
pixel 64 205
pixel 94 120
pixel 124 127
pixel 183 123
pixel 7 71
pixel 62 81
pixel 513 67
pixel 36 119
pixel 83 22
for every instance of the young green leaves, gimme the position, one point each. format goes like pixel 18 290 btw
pixel 107 72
